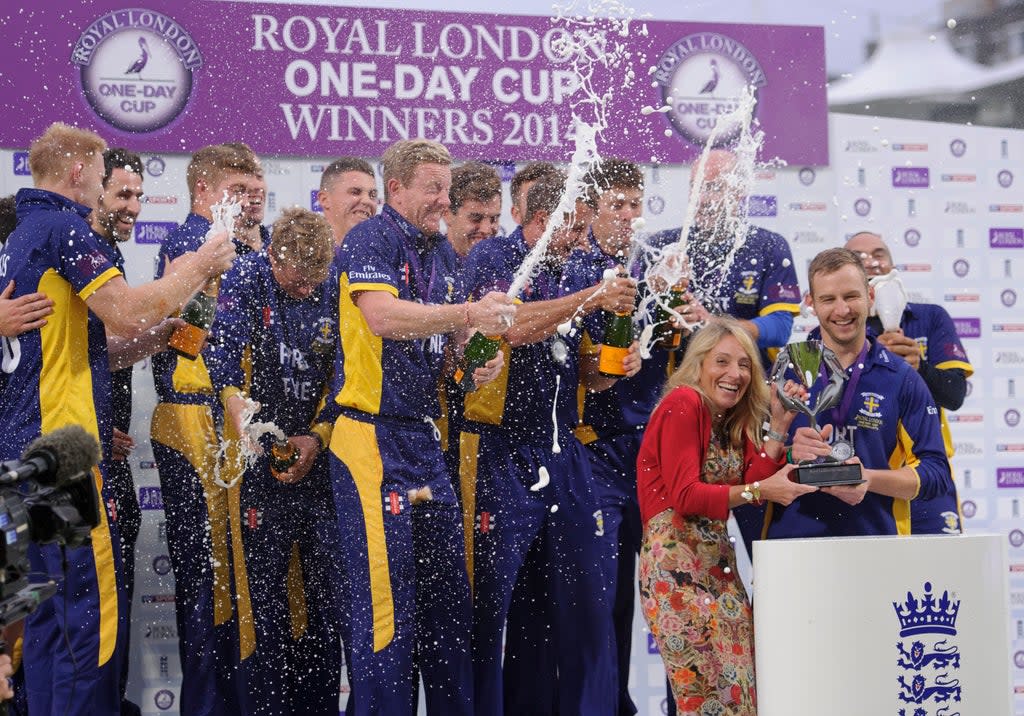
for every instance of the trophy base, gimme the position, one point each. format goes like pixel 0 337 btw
pixel 828 474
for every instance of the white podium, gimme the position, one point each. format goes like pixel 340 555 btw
pixel 829 640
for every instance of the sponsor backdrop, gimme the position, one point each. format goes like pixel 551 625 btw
pixel 331 81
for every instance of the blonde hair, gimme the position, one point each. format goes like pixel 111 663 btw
pixel 400 160
pixel 213 163
pixel 60 147
pixel 303 240
pixel 746 418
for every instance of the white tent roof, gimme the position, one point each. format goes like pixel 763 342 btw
pixel 917 64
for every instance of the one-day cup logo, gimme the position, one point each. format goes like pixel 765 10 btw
pixel 701 78
pixel 136 68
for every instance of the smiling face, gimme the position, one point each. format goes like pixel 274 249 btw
pixel 725 374
pixel 841 300
pixel 473 222
pixel 254 206
pixel 349 199
pixel 424 200
pixel 119 205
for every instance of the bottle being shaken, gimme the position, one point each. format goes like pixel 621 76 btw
pixel 283 454
pixel 479 350
pixel 618 337
pixel 187 341
pixel 667 335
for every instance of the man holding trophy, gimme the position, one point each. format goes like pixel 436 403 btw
pixel 869 432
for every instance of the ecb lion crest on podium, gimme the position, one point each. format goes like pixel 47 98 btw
pixel 928 655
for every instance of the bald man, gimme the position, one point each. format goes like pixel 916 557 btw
pixel 927 340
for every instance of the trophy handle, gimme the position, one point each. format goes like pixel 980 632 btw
pixel 779 369
pixel 833 392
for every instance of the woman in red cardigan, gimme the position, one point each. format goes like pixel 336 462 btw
pixel 702 455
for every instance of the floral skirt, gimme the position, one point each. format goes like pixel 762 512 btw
pixel 699 614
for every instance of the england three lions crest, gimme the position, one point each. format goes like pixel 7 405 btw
pixel 927 654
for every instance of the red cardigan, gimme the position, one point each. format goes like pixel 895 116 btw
pixel 672 455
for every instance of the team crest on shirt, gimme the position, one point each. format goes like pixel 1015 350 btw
pixel 869 414
pixel 746 292
pixel 324 340
pixel 950 522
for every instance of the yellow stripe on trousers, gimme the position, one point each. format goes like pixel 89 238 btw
pixel 469 449
pixel 296 580
pixel 188 429
pixel 355 444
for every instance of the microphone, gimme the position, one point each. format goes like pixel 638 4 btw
pixel 55 459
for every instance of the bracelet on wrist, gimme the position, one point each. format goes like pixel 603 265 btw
pixel 770 434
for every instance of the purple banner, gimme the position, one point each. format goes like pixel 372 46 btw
pixel 1006 238
pixel 153 232
pixel 1010 477
pixel 910 177
pixel 762 205
pixel 967 327
pixel 295 80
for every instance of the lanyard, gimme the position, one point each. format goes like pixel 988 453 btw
pixel 850 388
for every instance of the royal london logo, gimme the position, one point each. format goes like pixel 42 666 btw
pixel 930 662
pixel 136 68
pixel 702 77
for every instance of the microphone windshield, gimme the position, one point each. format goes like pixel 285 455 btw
pixel 71 448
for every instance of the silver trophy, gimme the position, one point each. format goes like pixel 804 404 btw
pixel 805 359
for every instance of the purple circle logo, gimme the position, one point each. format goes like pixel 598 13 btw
pixel 655 204
pixel 1005 178
pixel 807 176
pixel 958 147
pixel 1018 659
pixel 912 237
pixel 961 267
pixel 162 565
pixel 1012 417
pixel 701 74
pixel 862 207
pixel 969 508
pixel 163 699
pixel 136 68
pixel 155 166
pixel 1016 538
pixel 1008 297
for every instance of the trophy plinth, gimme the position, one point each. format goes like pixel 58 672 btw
pixel 826 474
pixel 805 358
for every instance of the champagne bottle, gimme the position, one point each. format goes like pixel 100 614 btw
pixel 479 350
pixel 666 334
pixel 618 337
pixel 198 313
pixel 283 455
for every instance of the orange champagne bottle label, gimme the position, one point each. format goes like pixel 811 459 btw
pixel 610 360
pixel 186 340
